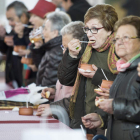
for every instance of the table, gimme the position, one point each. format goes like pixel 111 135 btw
pixel 9 116
pixel 12 124
pixel 4 87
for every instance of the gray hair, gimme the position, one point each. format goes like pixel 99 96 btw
pixel 58 20
pixel 19 7
pixel 74 29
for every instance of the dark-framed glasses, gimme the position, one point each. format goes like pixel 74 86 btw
pixel 93 30
pixel 125 39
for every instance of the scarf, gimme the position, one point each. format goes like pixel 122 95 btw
pixel 122 65
pixel 112 59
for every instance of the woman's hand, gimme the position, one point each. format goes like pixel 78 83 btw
pixel 91 120
pixel 89 74
pixel 38 44
pixel 42 108
pixel 9 42
pixel 23 52
pixel 52 93
pixel 104 92
pixel 74 47
pixel 106 105
pixel 33 67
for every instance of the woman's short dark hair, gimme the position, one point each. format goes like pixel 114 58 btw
pixel 129 20
pixel 105 13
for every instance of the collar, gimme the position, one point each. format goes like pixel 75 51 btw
pixel 53 43
pixel 134 64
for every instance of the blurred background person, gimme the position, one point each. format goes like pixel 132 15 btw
pixel 76 8
pixel 38 15
pixel 58 4
pixel 16 12
pixel 50 51
pixel 21 37
pixel 6 47
pixel 39 11
pixel 37 18
pixel 132 7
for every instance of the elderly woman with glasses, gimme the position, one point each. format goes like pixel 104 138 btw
pixel 99 22
pixel 123 106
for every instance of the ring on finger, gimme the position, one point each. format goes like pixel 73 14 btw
pixel 77 47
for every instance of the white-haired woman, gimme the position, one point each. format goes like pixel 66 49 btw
pixel 50 52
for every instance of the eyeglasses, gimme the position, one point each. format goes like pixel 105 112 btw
pixel 93 30
pixel 124 39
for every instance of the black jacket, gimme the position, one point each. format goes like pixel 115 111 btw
pixel 125 123
pixel 9 74
pixel 67 72
pixel 47 69
pixel 78 10
pixel 25 39
pixel 17 65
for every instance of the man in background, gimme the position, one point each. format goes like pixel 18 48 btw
pixel 75 8
pixel 16 14
pixel 132 10
pixel 57 3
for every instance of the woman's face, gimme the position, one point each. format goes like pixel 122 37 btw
pixel 36 21
pixel 48 33
pixel 65 40
pixel 127 48
pixel 101 35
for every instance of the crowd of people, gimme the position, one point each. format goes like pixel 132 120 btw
pixel 58 43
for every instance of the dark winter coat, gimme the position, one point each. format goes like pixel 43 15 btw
pixel 78 10
pixel 124 124
pixel 17 65
pixel 47 69
pixel 4 49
